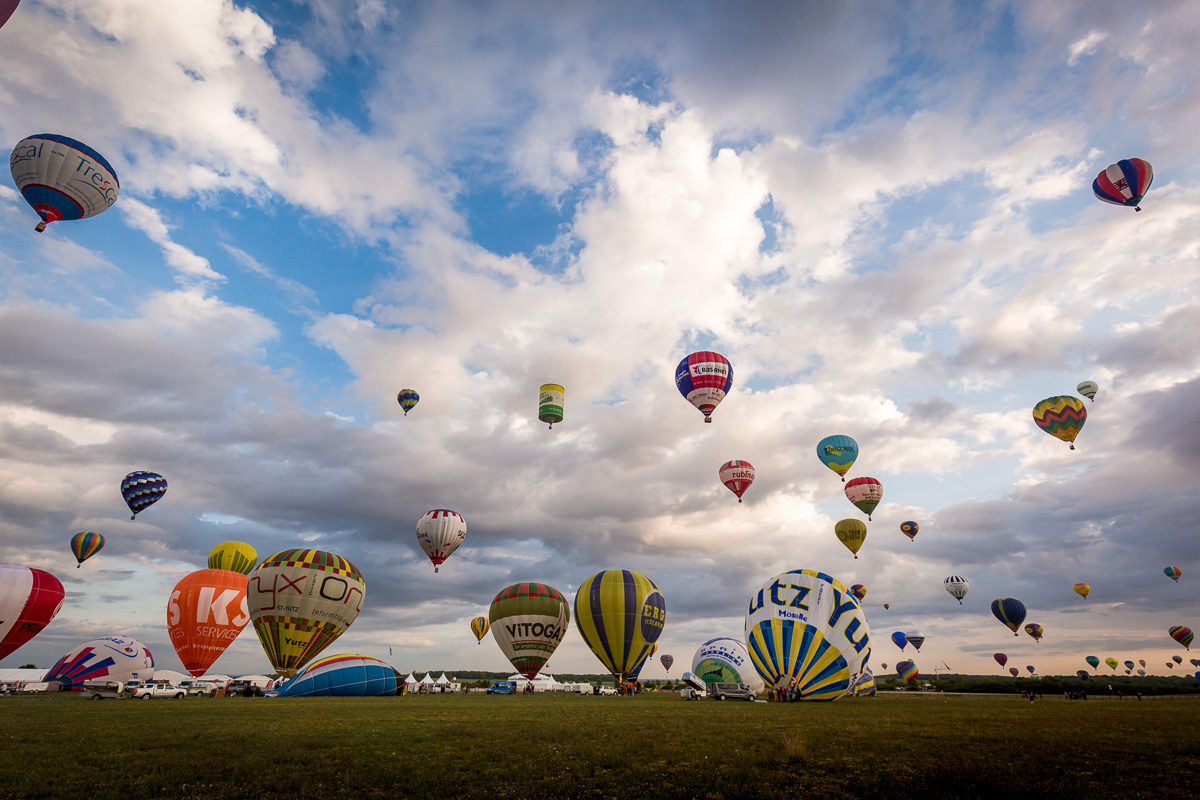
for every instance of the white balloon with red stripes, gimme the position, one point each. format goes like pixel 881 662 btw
pixel 737 476
pixel 440 532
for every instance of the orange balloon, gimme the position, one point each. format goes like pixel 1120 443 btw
pixel 206 612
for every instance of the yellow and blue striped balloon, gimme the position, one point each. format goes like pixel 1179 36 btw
pixel 233 556
pixel 85 545
pixel 620 614
pixel 407 398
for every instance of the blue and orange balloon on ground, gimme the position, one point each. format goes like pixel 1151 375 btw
pixel 62 178
pixel 1010 611
pixel 907 670
pixel 704 378
pixel 909 529
pixel 407 398
pixel 142 489
pixel 1182 634
pixel 85 545
pixel 345 675
pixel 1061 416
pixel 1124 183
pixel 838 452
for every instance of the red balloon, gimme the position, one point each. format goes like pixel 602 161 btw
pixel 1001 658
pixel 29 599
pixel 7 7
pixel 206 612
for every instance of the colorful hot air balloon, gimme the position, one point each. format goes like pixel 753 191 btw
pixel 345 675
pixel 479 627
pixel 62 178
pixel 529 621
pixel 301 601
pixel 620 614
pixel 1177 659
pixel 206 612
pixel 852 533
pixel 233 556
pixel 900 640
pixel 704 378
pixel 667 661
pixel 1093 661
pixel 804 630
pixel 909 529
pixel 142 489
pixel 551 398
pixel 957 586
pixel 737 476
pixel 1010 611
pixel 1061 416
pixel 85 545
pixel 1014 671
pixel 7 7
pixel 865 494
pixel 408 399
pixel 1124 183
pixel 916 639
pixel 838 453
pixel 724 660
pixel 1082 589
pixel 29 599
pixel 110 658
pixel 1170 665
pixel 865 685
pixel 859 591
pixel 1001 658
pixel 1142 661
pixel 1183 635
pixel 1112 662
pixel 1173 573
pixel 907 670
pixel 1088 389
pixel 1030 668
pixel 1034 630
pixel 440 532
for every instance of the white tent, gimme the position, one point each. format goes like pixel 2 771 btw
pixel 15 676
pixel 541 683
pixel 216 680
pixel 428 680
pixel 171 676
pixel 442 681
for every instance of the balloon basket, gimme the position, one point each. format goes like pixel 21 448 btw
pixel 708 419
pixel 134 516
pixel 739 499
pixel 40 227
pixel 435 569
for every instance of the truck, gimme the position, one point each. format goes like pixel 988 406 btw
pixel 735 691
pixel 503 687
pixel 148 691
pixel 694 687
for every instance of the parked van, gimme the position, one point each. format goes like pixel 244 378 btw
pixel 735 691
pixel 503 687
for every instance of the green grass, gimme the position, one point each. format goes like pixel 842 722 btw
pixel 547 746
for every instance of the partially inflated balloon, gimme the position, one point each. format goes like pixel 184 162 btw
pixel 865 494
pixel 479 627
pixel 804 629
pixel 1061 416
pixel 551 399
pixel 62 178
pixel 233 556
pixel 1183 635
pixel 704 378
pixel 85 545
pixel 206 612
pixel 142 489
pixel 301 601
pixel 439 533
pixel 1010 611
pixel 408 399
pixel 1124 183
pixel 900 640
pixel 1082 589
pixel 529 621
pixel 1093 661
pixel 859 591
pixel 1001 658
pixel 620 614
pixel 1173 573
pixel 724 660
pixel 1088 389
pixel 1112 662
pixel 957 586
pixel 1034 630
pixel 667 661
pixel 345 675
pixel 1014 671
pixel 916 639
pixel 838 453
pixel 109 658
pixel 29 599
pixel 865 685
pixel 909 529
pixel 737 476
pixel 907 670
pixel 852 533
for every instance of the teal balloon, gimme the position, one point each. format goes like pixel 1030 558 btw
pixel 1093 661
pixel 838 453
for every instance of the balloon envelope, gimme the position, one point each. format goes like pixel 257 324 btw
pixel 85 545
pixel 852 533
pixel 667 661
pixel 957 586
pixel 1088 389
pixel 529 621
pixel 725 660
pixel 1082 674
pixel 110 658
pixel 804 628
pixel 704 378
pixel 737 476
pixel 907 670
pixel 865 494
pixel 1014 671
pixel 1001 658
pixel 29 599
pixel 620 614
pixel 233 556
pixel 1010 611
pixel 1183 635
pixel 301 601
pixel 1112 662
pixel 1082 589
pixel 859 591
pixel 909 529
pixel 1030 669
pixel 346 675
pixel 1061 416
pixel 1173 573
pixel 62 178
pixel 408 399
pixel 7 7
pixel 551 398
pixel 1093 661
pixel 916 639
pixel 205 613
pixel 1034 630
pixel 838 453
pixel 1124 183
pixel 439 533
pixel 865 685
pixel 479 627
pixel 900 639
pixel 142 489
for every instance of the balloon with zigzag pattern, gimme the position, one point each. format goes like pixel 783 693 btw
pixel 1061 416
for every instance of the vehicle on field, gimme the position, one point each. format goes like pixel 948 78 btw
pixel 100 690
pixel 694 687
pixel 583 688
pixel 503 687
pixel 197 687
pixel 732 691
pixel 149 691
pixel 607 690
pixel 39 687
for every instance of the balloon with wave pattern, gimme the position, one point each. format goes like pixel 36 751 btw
pixel 1061 416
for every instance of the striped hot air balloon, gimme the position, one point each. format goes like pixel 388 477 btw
pixel 1010 611
pixel 1061 416
pixel 233 556
pixel 85 545
pixel 667 661
pixel 1173 573
pixel 62 178
pixel 737 476
pixel 345 675
pixel 1014 671
pixel 908 671
pixel 529 621
pixel 1124 183
pixel 1088 389
pixel 29 599
pixel 439 533
pixel 865 494
pixel 408 399
pixel 620 614
pixel 1183 635
pixel 704 378
pixel 1001 658
pixel 957 586
pixel 142 489
pixel 480 627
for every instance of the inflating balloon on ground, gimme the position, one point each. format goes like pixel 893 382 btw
pixel 29 599
pixel 108 658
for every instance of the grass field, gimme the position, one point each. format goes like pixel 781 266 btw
pixel 548 746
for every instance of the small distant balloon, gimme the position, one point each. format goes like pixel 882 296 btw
pixel 1173 573
pixel 407 398
pixel 233 556
pixel 1124 183
pixel 1061 416
pixel 1183 635
pixel 1142 661
pixel 737 476
pixel 1014 671
pixel 1030 668
pixel 667 661
pixel 909 529
pixel 916 639
pixel 480 627
pixel 859 591
pixel 704 378
pixel 1111 662
pixel 85 545
pixel 1010 611
pixel 1088 389
pixel 852 533
pixel 838 452
pixel 957 586
pixel 1093 661
pixel 551 399
pixel 1082 589
pixel 142 489
pixel 907 670
pixel 865 494
pixel 1001 658
pixel 886 606
pixel 440 532
pixel 1034 630
pixel 900 639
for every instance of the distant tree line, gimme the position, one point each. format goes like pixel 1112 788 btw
pixel 1048 684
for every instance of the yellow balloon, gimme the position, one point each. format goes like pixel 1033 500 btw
pixel 233 556
pixel 852 533
pixel 1082 589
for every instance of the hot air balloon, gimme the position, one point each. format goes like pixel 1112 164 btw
pixel 865 494
pixel 620 614
pixel 1061 416
pixel 408 399
pixel 724 660
pixel 233 556
pixel 1034 630
pixel 205 613
pixel 29 599
pixel 1010 611
pixel 957 586
pixel 1195 662
pixel 85 545
pixel 900 640
pixel 345 675
pixel 550 403
pixel 1112 662
pixel 1142 662
pixel 704 378
pixel 1082 589
pixel 916 639
pixel 1088 389
pixel 111 658
pixel 667 661
pixel 1183 635
pixel 907 670
pixel 852 533
pixel 479 627
pixel 1141 672
pixel 886 606
pixel 1170 665
pixel 1129 665
pixel 884 665
pixel 1082 674
pixel 142 489
pixel 838 453
pixel 859 591
pixel 1093 661
pixel 7 7
pixel 1014 671
pixel 737 476
pixel 529 621
pixel 1030 668
pixel 1173 573
pixel 865 685
pixel 1124 183
pixel 440 532
pixel 909 529
pixel 1001 658
pixel 62 178
pixel 805 630
pixel 301 601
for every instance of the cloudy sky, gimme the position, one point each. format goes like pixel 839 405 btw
pixel 881 213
